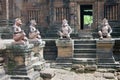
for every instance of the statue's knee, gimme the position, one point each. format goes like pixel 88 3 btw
pixel 109 36
pixel 99 32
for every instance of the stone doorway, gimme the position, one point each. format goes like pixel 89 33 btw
pixel 86 20
pixel 86 16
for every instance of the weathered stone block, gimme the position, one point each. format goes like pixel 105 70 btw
pixel 118 77
pixel 104 51
pixel 91 68
pixel 38 66
pixel 109 76
pixel 20 63
pixel 78 68
pixel 65 48
pixel 47 73
pixel 98 74
pixel 105 44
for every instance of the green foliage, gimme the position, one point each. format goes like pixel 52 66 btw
pixel 88 19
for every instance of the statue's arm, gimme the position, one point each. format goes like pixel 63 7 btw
pixel 110 29
pixel 99 27
pixel 70 30
pixel 16 30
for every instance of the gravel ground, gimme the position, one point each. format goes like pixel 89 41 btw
pixel 67 74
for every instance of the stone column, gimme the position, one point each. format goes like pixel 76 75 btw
pixel 65 50
pixel 73 16
pixel 19 63
pixel 105 51
pixel 51 14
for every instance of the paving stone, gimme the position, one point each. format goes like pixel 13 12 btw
pixel 91 67
pixel 78 68
pixel 102 70
pixel 111 70
pixel 98 74
pixel 109 76
pixel 47 73
pixel 118 73
pixel 118 77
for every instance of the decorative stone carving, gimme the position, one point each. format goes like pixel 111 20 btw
pixel 65 30
pixel 37 50
pixel 105 29
pixel 19 35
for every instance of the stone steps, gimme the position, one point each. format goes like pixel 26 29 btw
pixel 50 50
pixel 32 76
pixel 87 41
pixel 109 65
pixel 84 61
pixel 84 52
pixel 85 55
pixel 84 46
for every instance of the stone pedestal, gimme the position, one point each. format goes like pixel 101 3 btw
pixel 3 75
pixel 65 50
pixel 105 51
pixel 38 49
pixel 37 53
pixel 19 62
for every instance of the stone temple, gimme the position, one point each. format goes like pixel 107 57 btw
pixel 83 47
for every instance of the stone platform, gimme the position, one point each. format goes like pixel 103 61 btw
pixel 19 62
pixel 105 53
pixel 65 51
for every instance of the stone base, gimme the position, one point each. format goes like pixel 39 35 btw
pixel 63 62
pixel 21 70
pixel 3 76
pixel 31 76
pixel 65 48
pixel 104 53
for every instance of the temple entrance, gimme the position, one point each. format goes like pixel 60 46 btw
pixel 86 20
pixel 86 16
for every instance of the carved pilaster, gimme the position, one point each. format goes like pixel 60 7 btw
pixel 73 15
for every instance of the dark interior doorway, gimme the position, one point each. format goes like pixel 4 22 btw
pixel 86 16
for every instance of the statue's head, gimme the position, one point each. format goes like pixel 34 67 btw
pixel 18 21
pixel 64 21
pixel 33 22
pixel 105 21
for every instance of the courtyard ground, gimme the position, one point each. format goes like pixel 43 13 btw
pixel 60 73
